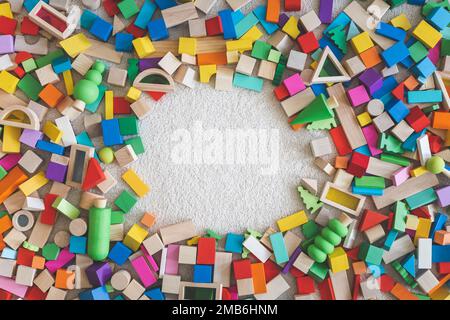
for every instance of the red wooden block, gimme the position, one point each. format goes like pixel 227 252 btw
pixel 308 42
pixel 443 267
pixel 399 91
pixel 417 119
pixel 22 56
pixel 436 143
pixel 292 5
pixel 356 285
pixel 226 295
pixel 48 216
pixel 7 25
pixel 242 269
pixel 340 141
pixel 5 295
pixel 34 293
pixel 386 283
pixel 271 270
pixel 358 164
pixel 353 253
pixel 305 285
pixel 281 92
pixel 94 175
pixel 29 27
pixel 390 220
pixel 206 251
pixel 326 290
pixel 421 212
pixel 25 257
pixel 121 106
pixel 296 273
pixel 214 26
pixel 155 95
pixel 371 219
pixel 110 7
pixel 19 72
pixel 135 31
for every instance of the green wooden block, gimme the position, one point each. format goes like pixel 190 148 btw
pixel 311 202
pixel 261 50
pixel 254 233
pixel 66 208
pixel 430 6
pixel 339 37
pixel 370 182
pixel 370 253
pixel 318 271
pixel 418 51
pixel 274 55
pixel 445 47
pixel 133 69
pixel 400 212
pixel 117 217
pixel 310 229
pixel 212 234
pixel 325 124
pixel 30 246
pixel 430 109
pixel 316 55
pixel 128 8
pixel 396 159
pixel 50 251
pixel 136 144
pixel 109 288
pixel 317 110
pixel 404 274
pixel 3 172
pixel 29 65
pixel 390 143
pixel 396 3
pixel 248 82
pixel 279 71
pixel 421 199
pixel 128 126
pixel 125 201
pixel 30 86
pixel 47 59
pixel 422 296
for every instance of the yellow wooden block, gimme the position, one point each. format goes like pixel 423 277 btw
pixel 423 229
pixel 253 34
pixel 428 35
pixel 135 183
pixel 361 42
pixel 75 45
pixel 443 293
pixel 5 10
pixel 187 45
pixel 292 221
pixel 364 119
pixel 34 183
pixel 338 260
pixel 134 237
pixel 206 72
pixel 143 46
pixel 109 105
pixel 133 94
pixel 11 136
pixel 418 171
pixel 193 241
pixel 68 82
pixel 8 82
pixel 401 21
pixel 291 27
pixel 314 65
pixel 52 132
pixel 240 45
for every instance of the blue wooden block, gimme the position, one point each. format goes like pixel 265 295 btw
pixel 424 96
pixel 320 88
pixel 408 62
pixel 326 42
pixel 410 41
pixel 124 42
pixel 279 247
pixel 30 4
pixel 203 273
pixel 77 245
pixel 234 242
pixel 364 191
pixel 119 253
pixel 248 82
pixel 390 238
pixel 145 14
pixel 364 150
pixel 9 253
pixel 395 53
pixel 246 24
pixel 61 64
pixel 397 110
pixel 416 2
pixel 50 147
pixel 226 17
pixel 119 297
pixel 155 294
pixel 111 132
pixel 341 20
pixel 85 295
pixel 440 253
pixel 237 16
pixel 389 31
pixel 92 107
pixel 424 68
pixel 101 29
pixel 389 84
pixel 421 199
pixel 157 29
pixel 87 19
pixel 410 143
pixel 438 224
pixel 410 265
pixel 439 18
pixel 260 13
pixel 164 4
pixel 100 293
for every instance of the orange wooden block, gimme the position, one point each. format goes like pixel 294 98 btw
pixel 10 183
pixel 411 83
pixel 273 11
pixel 447 139
pixel 295 127
pixel 5 224
pixel 217 58
pixel 38 262
pixel 51 95
pixel 65 279
pixel 442 237
pixel 359 267
pixel 401 293
pixel 441 120
pixel 370 57
pixel 2 243
pixel 340 162
pixel 259 278
pixel 148 219
pixel 442 281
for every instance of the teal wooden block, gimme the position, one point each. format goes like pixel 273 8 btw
pixel 421 199
pixel 424 96
pixel 94 105
pixel 245 24
pixel 84 139
pixel 247 82
pixel 279 247
pixel 400 212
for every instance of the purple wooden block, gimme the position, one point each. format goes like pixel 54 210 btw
pixel 444 196
pixel 282 19
pixel 10 160
pixel 410 233
pixel 99 273
pixel 326 11
pixel 56 172
pixel 30 137
pixel 6 44
pixel 291 261
pixel 148 63
pixel 372 79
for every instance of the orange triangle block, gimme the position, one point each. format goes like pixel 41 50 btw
pixel 94 175
pixel 371 219
pixel 399 91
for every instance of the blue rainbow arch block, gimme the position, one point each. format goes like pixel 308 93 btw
pixel 157 29
pixel 398 111
pixel 248 82
pixel 424 96
pixel 234 242
pixel 145 14
pixel 203 273
pixel 101 29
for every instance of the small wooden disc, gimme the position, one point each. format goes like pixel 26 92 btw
pixel 62 239
pixel 23 220
pixel 375 107
pixel 78 227
pixel 120 280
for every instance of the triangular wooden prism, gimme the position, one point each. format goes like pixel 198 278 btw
pixel 371 219
pixel 94 175
pixel 352 30
pixel 410 265
pixel 328 54
pixel 118 25
pixel 310 185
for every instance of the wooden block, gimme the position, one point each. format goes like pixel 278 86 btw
pixel 179 14
pixel 310 21
pixel 116 232
pixel 354 66
pixel 177 232
pixel 296 60
pixel 224 79
pixel 245 287
pixel 246 64
pixel 125 155
pixel 56 294
pixel 214 286
pixel 343 179
pixel 341 286
pixel 59 189
pixel 117 76
pixel 169 63
pixel 22 45
pixel 109 183
pixel 153 244
pixel 375 233
pixel 321 147
pixel 171 284
pixel 204 5
pixel 342 199
pixel 14 239
pixel 424 253
pixel 79 156
pixel 40 234
pixel 402 130
pixel 141 108
pixel 120 280
pixel 427 281
pixel 325 166
pixel 186 76
pixel 187 255
pixel 7 267
pixel 400 247
pixel 267 70
pixel 197 28
pixel 44 281
pixel 303 263
pixel 378 9
pixel 222 268
pixel 25 275
pixel 257 249
pixel 134 290
pixel 298 102
pixel 281 41
pixel 46 75
pixel 14 202
pixel 349 123
pixel 237 4
pixel 88 199
pixel 82 64
pixel 275 288
pixel 51 13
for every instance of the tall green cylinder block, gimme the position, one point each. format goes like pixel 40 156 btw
pixel 99 233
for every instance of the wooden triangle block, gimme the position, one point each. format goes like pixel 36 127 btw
pixel 94 175
pixel 371 219
pixel 155 95
pixel 118 25
pixel 353 253
pixel 399 91
pixel 310 185
pixel 328 54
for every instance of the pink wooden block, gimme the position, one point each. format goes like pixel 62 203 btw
pixel 150 259
pixel 294 84
pixel 10 160
pixel 443 196
pixel 233 293
pixel 358 95
pixel 144 272
pixel 371 135
pixel 400 176
pixel 173 251
pixel 11 286
pixel 64 257
pixel 434 53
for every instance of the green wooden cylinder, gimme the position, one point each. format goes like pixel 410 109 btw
pixel 99 233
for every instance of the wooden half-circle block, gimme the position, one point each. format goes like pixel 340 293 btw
pixel 33 120
pixel 154 80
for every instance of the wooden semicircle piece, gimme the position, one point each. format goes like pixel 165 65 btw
pixel 30 114
pixel 328 55
pixel 154 80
